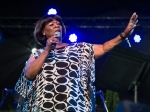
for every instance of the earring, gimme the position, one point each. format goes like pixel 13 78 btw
pixel 43 33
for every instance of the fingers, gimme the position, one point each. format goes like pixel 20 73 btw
pixel 53 39
pixel 133 16
pixel 132 24
pixel 133 19
pixel 136 17
pixel 136 22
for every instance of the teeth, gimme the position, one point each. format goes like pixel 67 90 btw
pixel 57 31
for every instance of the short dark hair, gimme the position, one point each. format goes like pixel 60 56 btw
pixel 38 35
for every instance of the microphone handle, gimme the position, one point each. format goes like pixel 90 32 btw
pixel 53 46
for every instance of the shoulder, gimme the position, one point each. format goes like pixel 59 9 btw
pixel 82 44
pixel 85 46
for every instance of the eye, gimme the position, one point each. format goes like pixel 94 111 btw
pixel 51 24
pixel 58 23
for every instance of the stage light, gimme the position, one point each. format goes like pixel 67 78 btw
pixel 73 38
pixel 137 38
pixel 52 11
pixel 33 50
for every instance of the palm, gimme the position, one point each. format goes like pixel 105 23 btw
pixel 131 25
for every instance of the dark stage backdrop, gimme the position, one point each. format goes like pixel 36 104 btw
pixel 16 43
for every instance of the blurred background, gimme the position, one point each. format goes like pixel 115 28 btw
pixel 92 21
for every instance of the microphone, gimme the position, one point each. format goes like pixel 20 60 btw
pixel 57 34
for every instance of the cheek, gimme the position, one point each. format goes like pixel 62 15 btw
pixel 61 27
pixel 49 32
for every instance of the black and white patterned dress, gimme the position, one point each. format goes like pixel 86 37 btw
pixel 65 82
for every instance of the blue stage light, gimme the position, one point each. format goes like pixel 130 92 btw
pixel 52 11
pixel 73 38
pixel 137 38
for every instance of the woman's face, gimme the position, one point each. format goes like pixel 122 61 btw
pixel 51 28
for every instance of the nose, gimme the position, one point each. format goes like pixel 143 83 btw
pixel 57 25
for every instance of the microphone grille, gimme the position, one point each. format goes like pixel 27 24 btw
pixel 57 34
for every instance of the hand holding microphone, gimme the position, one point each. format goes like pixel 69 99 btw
pixel 51 42
pixel 57 34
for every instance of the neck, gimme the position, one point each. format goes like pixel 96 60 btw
pixel 59 45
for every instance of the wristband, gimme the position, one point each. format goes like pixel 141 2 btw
pixel 122 37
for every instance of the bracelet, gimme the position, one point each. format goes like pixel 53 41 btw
pixel 122 37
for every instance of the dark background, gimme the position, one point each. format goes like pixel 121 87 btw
pixel 16 42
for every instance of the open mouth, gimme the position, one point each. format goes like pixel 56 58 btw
pixel 58 30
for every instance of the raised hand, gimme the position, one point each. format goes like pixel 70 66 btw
pixel 131 25
pixel 50 41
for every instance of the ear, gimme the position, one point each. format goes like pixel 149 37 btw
pixel 43 32
pixel 43 37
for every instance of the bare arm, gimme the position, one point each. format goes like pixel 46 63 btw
pixel 33 65
pixel 101 49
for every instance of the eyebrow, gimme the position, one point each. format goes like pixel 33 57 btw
pixel 54 22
